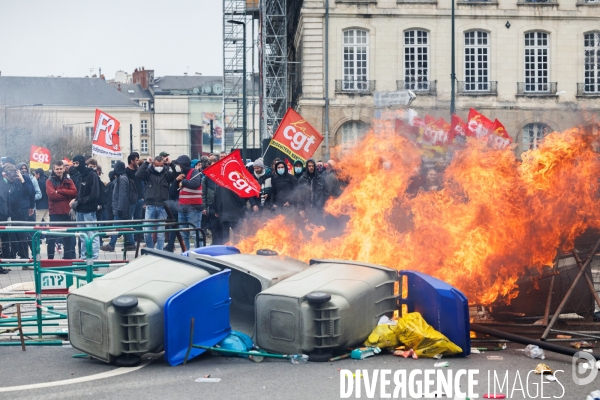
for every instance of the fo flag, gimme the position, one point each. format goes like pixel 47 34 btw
pixel 39 157
pixel 106 140
pixel 296 137
pixel 230 173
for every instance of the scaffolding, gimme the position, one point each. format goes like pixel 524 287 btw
pixel 243 11
pixel 274 65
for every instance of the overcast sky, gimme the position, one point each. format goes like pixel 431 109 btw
pixel 69 37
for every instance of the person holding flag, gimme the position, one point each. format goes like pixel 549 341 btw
pixel 190 195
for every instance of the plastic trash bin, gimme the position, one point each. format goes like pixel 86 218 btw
pixel 442 306
pixel 331 306
pixel 216 250
pixel 119 316
pixel 250 275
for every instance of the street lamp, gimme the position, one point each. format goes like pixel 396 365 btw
pixel 5 108
pixel 453 71
pixel 244 127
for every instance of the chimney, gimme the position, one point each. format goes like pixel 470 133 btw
pixel 119 87
pixel 185 74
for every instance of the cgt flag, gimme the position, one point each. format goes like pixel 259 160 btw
pixel 479 125
pixel 296 137
pixel 230 173
pixel 106 140
pixel 39 157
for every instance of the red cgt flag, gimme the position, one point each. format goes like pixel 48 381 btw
pixel 230 173
pixel 500 138
pixel 106 141
pixel 296 137
pixel 290 167
pixel 457 127
pixel 479 125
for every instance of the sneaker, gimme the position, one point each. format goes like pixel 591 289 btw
pixel 107 247
pixel 4 270
pixel 130 247
pixel 169 249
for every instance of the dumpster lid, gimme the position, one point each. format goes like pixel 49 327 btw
pixel 211 269
pixel 207 301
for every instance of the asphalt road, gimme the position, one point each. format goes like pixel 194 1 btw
pixel 244 379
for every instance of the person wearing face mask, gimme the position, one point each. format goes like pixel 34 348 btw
pixel 21 198
pixel 283 184
pixel 36 188
pixel 61 190
pixel 156 178
pixel 86 203
pixel 313 192
pixel 298 168
pixel 264 180
pixel 190 195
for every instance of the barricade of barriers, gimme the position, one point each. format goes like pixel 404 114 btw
pixel 34 306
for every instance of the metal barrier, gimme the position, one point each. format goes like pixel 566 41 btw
pixel 49 315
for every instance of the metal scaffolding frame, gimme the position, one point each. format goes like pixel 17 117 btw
pixel 233 58
pixel 274 65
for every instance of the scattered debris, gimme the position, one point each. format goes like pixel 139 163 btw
pixel 475 350
pixel 564 336
pixel 343 356
pixel 533 351
pixel 443 364
pixel 494 396
pixel 595 395
pixel 583 345
pixel 363 352
pixel 406 353
pixel 543 369
pixel 550 378
pixel 495 358
pixel 208 380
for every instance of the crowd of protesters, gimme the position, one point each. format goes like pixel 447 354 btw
pixel 157 188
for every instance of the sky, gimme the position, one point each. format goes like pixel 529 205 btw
pixel 69 38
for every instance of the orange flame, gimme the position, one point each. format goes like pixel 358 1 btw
pixel 494 217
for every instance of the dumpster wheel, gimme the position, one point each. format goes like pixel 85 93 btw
pixel 125 303
pixel 318 297
pixel 319 357
pixel 128 360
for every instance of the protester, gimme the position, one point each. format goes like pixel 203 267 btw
pixel 320 166
pixel 122 204
pixel 229 209
pixel 21 196
pixel 264 180
pixel 284 185
pixel 157 179
pixel 132 167
pixel 432 183
pixel 190 196
pixel 298 168
pixel 313 192
pixel 22 167
pixel 86 203
pixel 173 206
pixel 4 214
pixel 60 190
pixel 108 194
pixel 209 211
pixel 41 205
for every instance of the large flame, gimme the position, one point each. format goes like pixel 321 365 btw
pixel 494 217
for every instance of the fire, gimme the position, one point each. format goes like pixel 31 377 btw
pixel 494 217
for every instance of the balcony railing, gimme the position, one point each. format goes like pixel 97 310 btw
pixel 353 86
pixel 537 2
pixel 588 2
pixel 588 89
pixel 422 87
pixel 478 88
pixel 536 89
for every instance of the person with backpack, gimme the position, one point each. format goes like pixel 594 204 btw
pixel 190 196
pixel 123 201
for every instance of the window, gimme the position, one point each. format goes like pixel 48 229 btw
pixel 144 146
pixel 536 62
pixel 144 104
pixel 533 135
pixel 89 132
pixel 356 53
pixel 144 127
pixel 352 131
pixel 112 163
pixel 591 43
pixel 68 129
pixel 477 61
pixel 416 60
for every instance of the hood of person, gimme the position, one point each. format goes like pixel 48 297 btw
pixel 119 168
pixel 310 160
pixel 21 164
pixel 81 160
pixel 284 168
pixel 184 161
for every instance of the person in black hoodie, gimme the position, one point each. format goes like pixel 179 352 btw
pixel 312 192
pixel 209 188
pixel 298 169
pixel 284 185
pixel 21 197
pixel 41 206
pixel 86 203
pixel 229 209
pixel 121 205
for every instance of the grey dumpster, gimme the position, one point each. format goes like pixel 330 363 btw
pixel 250 275
pixel 331 306
pixel 119 316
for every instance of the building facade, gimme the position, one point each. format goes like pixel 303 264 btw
pixel 534 65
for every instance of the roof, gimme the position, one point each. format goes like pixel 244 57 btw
pixel 79 92
pixel 133 90
pixel 168 83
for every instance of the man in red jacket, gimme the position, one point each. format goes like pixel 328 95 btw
pixel 61 190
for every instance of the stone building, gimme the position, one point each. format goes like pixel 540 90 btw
pixel 534 65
